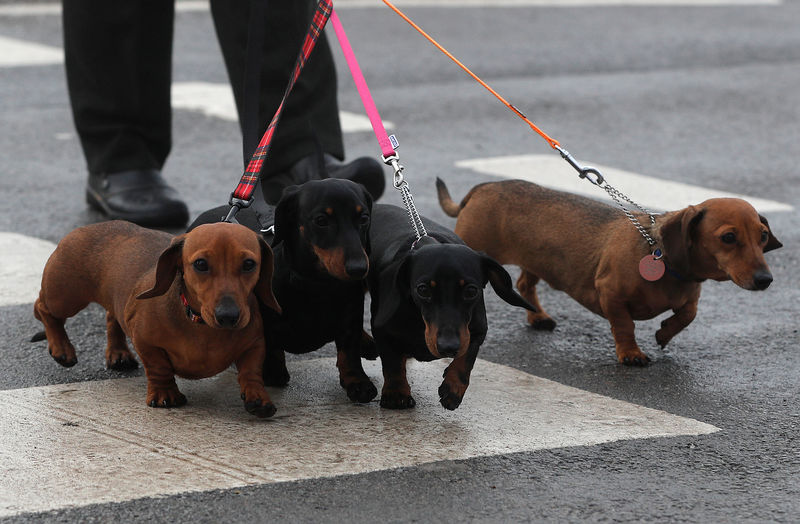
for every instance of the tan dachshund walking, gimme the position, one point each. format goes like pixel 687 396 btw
pixel 188 303
pixel 591 251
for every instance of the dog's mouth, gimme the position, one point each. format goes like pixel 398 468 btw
pixel 337 264
pixel 227 314
pixel 446 343
pixel 757 281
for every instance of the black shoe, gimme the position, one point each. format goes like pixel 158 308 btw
pixel 140 196
pixel 364 170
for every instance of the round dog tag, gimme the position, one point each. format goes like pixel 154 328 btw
pixel 651 268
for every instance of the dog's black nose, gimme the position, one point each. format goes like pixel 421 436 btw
pixel 227 312
pixel 357 268
pixel 762 279
pixel 447 344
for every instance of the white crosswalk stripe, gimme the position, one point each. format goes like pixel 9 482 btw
pixel 216 100
pixel 66 445
pixel 21 264
pixel 658 194
pixel 14 53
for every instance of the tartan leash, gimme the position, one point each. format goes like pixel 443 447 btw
pixel 242 196
pixel 387 143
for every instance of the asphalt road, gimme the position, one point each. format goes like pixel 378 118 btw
pixel 704 95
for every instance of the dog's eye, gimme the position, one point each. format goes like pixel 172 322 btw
pixel 321 221
pixel 764 237
pixel 363 220
pixel 248 265
pixel 424 291
pixel 728 238
pixel 470 292
pixel 200 265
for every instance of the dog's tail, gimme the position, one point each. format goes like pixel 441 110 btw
pixel 38 337
pixel 446 201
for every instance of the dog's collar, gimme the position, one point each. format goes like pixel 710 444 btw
pixel 191 314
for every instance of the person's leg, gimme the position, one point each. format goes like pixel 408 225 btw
pixel 310 120
pixel 118 63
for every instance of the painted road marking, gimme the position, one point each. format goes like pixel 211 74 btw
pixel 96 442
pixel 653 193
pixel 14 53
pixel 216 100
pixel 21 267
pixel 187 6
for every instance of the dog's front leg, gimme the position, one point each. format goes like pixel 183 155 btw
pixel 673 325
pixel 622 328
pixel 351 373
pixel 251 382
pixel 456 378
pixel 396 393
pixel 162 391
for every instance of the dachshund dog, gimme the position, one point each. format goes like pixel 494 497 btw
pixel 427 303
pixel 321 247
pixel 188 303
pixel 591 251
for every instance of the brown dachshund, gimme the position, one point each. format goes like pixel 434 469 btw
pixel 592 251
pixel 188 303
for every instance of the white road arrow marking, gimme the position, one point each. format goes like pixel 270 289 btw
pixel 64 445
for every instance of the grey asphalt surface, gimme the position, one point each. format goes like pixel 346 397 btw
pixel 702 95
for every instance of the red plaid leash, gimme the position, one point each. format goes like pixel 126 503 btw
pixel 243 195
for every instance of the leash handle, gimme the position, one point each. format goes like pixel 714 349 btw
pixel 242 196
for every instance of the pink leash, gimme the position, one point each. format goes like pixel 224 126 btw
pixel 385 143
pixel 388 144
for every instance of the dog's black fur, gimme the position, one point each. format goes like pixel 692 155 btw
pixel 427 303
pixel 321 246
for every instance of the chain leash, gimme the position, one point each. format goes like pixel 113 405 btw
pixel 405 193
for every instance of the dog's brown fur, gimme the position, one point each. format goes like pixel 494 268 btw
pixel 131 272
pixel 592 251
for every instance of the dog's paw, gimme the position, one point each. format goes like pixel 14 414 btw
pixel 361 391
pixel 449 398
pixel 396 400
pixel 64 356
pixel 165 398
pixel 121 361
pixel 257 402
pixel 541 321
pixel 662 338
pixel 260 408
pixel 633 358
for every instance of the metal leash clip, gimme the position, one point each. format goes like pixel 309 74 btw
pixel 583 171
pixel 236 204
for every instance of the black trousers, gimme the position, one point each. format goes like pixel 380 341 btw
pixel 119 73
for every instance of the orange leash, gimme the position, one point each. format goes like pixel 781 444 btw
pixel 553 143
pixel 651 267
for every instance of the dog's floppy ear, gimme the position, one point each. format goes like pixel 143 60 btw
pixel 169 262
pixel 263 289
pixel 500 280
pixel 286 214
pixel 395 289
pixel 367 200
pixel 676 237
pixel 772 243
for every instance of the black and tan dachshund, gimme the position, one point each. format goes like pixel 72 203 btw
pixel 427 303
pixel 321 248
